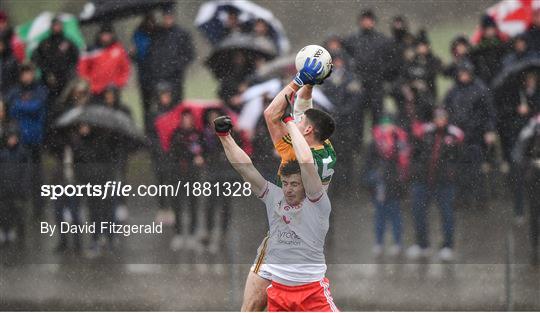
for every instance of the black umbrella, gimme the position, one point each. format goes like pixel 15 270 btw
pixel 250 46
pixel 96 11
pixel 102 117
pixel 511 75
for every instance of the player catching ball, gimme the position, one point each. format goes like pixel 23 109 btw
pixel 298 215
pixel 316 126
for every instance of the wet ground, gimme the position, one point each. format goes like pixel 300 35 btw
pixel 491 270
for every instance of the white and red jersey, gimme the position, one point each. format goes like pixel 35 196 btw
pixel 295 247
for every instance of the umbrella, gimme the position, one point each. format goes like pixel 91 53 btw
pixel 212 15
pixel 32 33
pixel 510 75
pixel 277 68
pixel 168 122
pixel 101 117
pixel 106 10
pixel 252 47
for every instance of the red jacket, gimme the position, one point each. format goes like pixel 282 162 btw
pixel 105 66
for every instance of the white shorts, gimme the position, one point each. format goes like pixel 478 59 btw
pixel 258 266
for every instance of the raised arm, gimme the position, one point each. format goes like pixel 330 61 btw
pixel 310 177
pixel 238 158
pixel 274 112
pixel 303 102
pixel 308 75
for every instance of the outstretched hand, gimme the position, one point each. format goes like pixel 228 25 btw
pixel 308 74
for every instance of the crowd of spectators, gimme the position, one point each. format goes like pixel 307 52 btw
pixel 420 146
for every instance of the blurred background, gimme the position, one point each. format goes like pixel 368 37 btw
pixel 124 90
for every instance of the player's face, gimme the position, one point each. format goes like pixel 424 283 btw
pixel 293 189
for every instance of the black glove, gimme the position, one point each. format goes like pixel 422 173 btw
pixel 223 125
pixel 287 115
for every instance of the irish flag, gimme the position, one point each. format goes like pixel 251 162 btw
pixel 33 32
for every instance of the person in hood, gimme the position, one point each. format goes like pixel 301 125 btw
pixel 470 107
pixel 370 51
pixel 27 105
pixel 487 54
pixel 14 181
pixel 436 148
pixel 532 35
pixel 57 58
pixel 519 51
pixel 107 63
pixel 402 42
pixel 170 52
pixel 425 66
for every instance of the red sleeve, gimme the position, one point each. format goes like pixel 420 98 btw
pixel 84 66
pixel 18 48
pixel 418 129
pixel 122 75
pixel 404 153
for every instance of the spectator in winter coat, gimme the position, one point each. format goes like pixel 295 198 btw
pixel 94 156
pixel 111 99
pixel 14 166
pixel 8 68
pixel 470 107
pixel 518 52
pixel 344 89
pixel 402 42
pixel 487 54
pixel 436 147
pixel 527 154
pixel 107 63
pixel 532 35
pixel 370 51
pixel 460 49
pixel 170 52
pixel 142 39
pixel 57 58
pixel 186 153
pixel 27 106
pixel 385 173
pixel 162 165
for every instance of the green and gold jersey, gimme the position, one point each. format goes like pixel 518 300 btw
pixel 324 157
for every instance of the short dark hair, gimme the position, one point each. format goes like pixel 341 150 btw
pixel 26 67
pixel 367 13
pixel 290 168
pixel 323 124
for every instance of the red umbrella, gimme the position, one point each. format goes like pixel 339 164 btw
pixel 168 122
